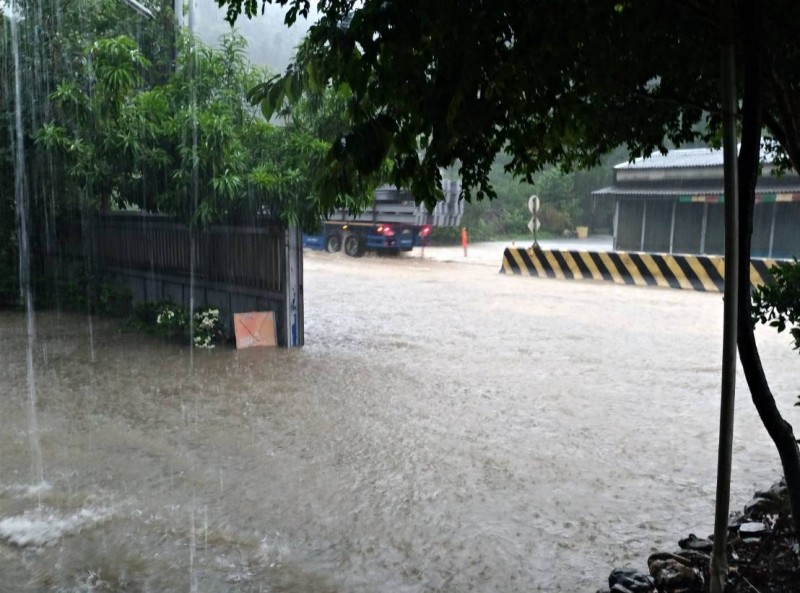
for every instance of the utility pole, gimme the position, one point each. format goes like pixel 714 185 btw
pixel 719 556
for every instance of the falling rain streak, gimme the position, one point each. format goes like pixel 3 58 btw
pixel 21 198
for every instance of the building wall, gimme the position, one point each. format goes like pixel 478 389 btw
pixel 787 230
pixel 674 226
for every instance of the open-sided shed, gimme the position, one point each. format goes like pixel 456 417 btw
pixel 673 203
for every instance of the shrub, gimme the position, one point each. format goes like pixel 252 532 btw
pixel 777 303
pixel 114 300
pixel 171 321
pixel 208 328
pixel 553 219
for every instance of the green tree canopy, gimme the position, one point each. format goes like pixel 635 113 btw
pixel 437 83
pixel 117 142
pixel 53 42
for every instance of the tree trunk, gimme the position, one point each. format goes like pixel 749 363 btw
pixel 779 429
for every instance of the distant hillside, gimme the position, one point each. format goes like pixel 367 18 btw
pixel 271 43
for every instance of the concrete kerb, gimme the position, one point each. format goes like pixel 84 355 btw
pixel 688 272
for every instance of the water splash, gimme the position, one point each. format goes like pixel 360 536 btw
pixel 42 527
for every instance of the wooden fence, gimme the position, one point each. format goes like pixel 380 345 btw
pixel 235 268
pixel 247 257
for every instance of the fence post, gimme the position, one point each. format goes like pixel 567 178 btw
pixel 293 297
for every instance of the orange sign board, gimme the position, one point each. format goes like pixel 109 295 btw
pixel 254 329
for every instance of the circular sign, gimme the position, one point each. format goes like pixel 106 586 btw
pixel 533 204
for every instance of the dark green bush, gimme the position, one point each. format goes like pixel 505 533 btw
pixel 777 303
pixel 114 300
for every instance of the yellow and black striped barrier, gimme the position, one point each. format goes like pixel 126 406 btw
pixel 690 272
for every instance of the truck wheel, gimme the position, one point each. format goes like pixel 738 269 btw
pixel 353 246
pixel 333 243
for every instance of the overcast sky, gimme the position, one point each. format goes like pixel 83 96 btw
pixel 271 42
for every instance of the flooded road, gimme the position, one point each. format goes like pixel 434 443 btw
pixel 446 428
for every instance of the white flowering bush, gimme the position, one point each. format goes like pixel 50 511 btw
pixel 207 327
pixel 170 320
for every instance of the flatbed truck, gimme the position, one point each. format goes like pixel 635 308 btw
pixel 392 224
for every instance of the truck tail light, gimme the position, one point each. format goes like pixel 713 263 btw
pixel 385 230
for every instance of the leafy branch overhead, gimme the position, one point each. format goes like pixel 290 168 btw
pixel 432 84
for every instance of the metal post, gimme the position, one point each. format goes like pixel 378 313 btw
pixel 772 228
pixel 703 228
pixel 719 557
pixel 672 227
pixel 293 292
pixel 644 226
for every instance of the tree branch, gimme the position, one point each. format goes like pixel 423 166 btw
pixel 784 123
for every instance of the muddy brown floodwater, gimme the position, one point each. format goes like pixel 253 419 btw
pixel 446 428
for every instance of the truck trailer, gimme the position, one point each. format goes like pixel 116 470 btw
pixel 392 223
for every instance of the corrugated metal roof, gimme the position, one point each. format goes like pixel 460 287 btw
pixel 676 193
pixel 682 157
